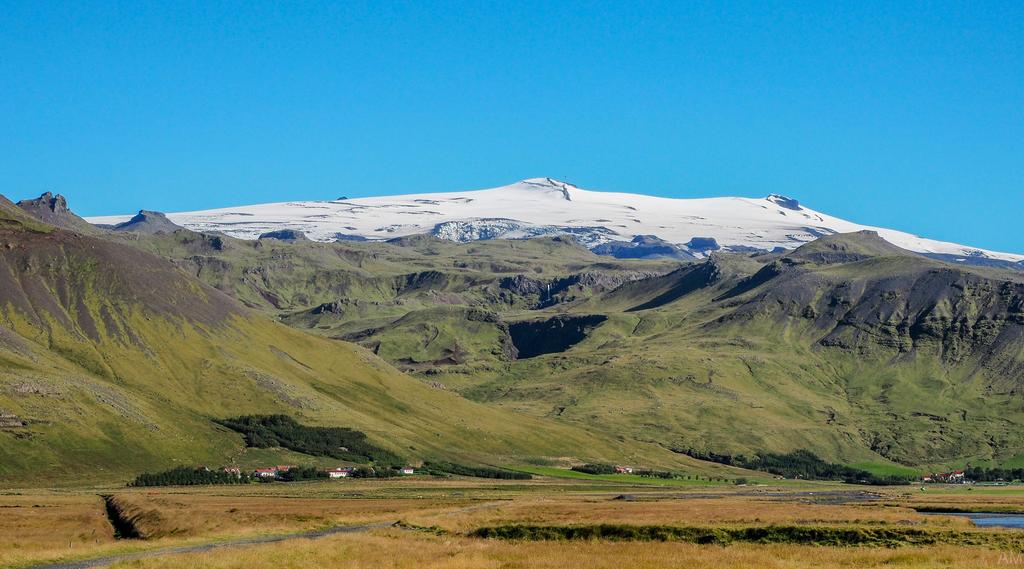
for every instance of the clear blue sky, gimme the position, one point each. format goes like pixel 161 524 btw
pixel 901 114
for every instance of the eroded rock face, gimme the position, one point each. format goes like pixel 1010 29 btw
pixel 47 202
pixel 950 312
pixel 53 209
pixel 538 337
pixel 9 420
pixel 523 285
pixel 550 292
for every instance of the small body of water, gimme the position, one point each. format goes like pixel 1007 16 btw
pixel 989 519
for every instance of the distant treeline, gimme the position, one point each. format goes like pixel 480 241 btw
pixel 600 468
pixel 186 476
pixel 979 474
pixel 596 468
pixel 301 473
pixel 474 471
pixel 368 472
pixel 799 464
pixel 267 431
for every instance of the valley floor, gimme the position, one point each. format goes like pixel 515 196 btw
pixel 435 523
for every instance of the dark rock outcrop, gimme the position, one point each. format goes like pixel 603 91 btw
pixel 538 337
pixel 149 222
pixel 783 201
pixel 349 237
pixel 703 244
pixel 565 289
pixel 642 247
pixel 53 209
pixel 683 282
pixel 899 302
pixel 285 235
pixel 523 285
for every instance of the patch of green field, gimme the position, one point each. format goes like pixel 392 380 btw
pixel 886 469
pixel 1014 462
pixel 252 458
pixel 694 480
pixel 975 490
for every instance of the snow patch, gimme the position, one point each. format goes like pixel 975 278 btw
pixel 546 206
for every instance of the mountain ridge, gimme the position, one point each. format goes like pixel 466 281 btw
pixel 848 345
pixel 545 206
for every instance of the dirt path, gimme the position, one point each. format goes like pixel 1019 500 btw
pixel 241 542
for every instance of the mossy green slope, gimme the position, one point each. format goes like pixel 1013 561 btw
pixel 113 361
pixel 848 346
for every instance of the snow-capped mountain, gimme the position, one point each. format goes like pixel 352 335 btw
pixel 612 223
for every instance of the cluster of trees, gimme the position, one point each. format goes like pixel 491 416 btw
pixel 800 464
pixel 298 474
pixel 979 474
pixel 370 472
pixel 597 468
pixel 186 476
pixel 600 468
pixel 474 471
pixel 267 431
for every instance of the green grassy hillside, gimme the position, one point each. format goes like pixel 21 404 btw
pixel 113 361
pixel 849 347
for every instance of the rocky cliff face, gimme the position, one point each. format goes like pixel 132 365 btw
pixel 881 301
pixel 53 210
pixel 533 338
pixel 545 293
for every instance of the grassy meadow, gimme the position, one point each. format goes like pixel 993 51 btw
pixel 435 522
pixel 400 551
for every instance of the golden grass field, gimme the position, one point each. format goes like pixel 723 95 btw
pixel 400 551
pixel 438 514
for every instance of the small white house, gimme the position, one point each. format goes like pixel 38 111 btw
pixel 339 472
pixel 408 471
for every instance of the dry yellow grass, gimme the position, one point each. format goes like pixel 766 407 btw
pixel 678 510
pixel 991 498
pixel 401 550
pixel 43 526
pixel 159 515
